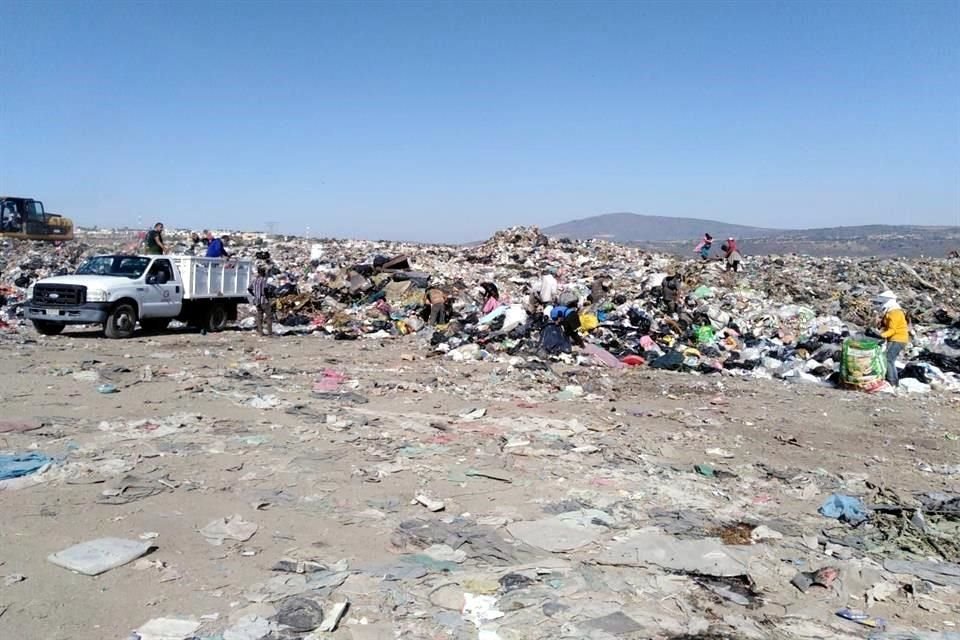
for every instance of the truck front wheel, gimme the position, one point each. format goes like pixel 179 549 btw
pixel 48 328
pixel 215 318
pixel 121 322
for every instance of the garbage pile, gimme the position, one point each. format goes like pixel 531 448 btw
pixel 782 317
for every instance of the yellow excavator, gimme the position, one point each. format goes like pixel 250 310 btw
pixel 26 219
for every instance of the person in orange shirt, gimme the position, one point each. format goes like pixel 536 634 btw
pixel 895 330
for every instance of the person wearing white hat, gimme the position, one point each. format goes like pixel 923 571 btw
pixel 895 330
pixel 544 291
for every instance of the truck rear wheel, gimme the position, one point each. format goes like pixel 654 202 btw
pixel 155 325
pixel 121 322
pixel 48 328
pixel 215 318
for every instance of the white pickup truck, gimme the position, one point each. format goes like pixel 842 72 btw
pixel 118 291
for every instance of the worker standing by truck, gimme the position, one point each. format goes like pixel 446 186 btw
pixel 153 242
pixel 260 291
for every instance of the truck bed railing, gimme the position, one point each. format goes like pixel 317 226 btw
pixel 213 277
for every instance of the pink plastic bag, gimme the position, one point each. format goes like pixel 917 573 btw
pixel 330 381
pixel 603 356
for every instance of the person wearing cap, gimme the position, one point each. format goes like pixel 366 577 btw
pixel 895 330
pixel 545 289
pixel 731 254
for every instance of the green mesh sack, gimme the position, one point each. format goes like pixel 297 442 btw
pixel 862 364
pixel 705 334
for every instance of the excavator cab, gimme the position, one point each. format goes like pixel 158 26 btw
pixel 26 219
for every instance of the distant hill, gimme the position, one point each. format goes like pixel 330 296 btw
pixel 632 227
pixel 679 235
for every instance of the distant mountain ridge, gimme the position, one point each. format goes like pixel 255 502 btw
pixel 633 227
pixel 678 235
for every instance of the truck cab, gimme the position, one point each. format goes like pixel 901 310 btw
pixel 120 291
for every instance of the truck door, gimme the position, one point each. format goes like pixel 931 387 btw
pixel 164 294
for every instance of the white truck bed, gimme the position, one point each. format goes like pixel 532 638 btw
pixel 213 277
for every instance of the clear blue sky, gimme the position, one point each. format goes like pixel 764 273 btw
pixel 448 120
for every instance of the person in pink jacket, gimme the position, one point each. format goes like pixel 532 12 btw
pixel 704 247
pixel 491 297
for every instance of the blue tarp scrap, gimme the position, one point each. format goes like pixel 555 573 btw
pixel 844 508
pixel 22 464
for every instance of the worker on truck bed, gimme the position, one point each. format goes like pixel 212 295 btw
pixel 215 248
pixel 153 242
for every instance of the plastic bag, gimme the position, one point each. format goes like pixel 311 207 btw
pixel 705 334
pixel 588 322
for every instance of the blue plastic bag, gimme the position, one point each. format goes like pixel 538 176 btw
pixel 844 508
pixel 22 464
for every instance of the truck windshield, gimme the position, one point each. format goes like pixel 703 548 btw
pixel 121 266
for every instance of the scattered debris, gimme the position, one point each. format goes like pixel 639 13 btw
pixel 429 503
pixel 844 508
pixel 300 613
pixel 332 619
pixel 706 557
pixel 862 618
pixel 19 465
pixel 822 578
pixel 564 532
pixel 230 528
pixel 167 629
pixel 98 556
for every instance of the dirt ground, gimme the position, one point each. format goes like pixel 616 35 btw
pixel 232 425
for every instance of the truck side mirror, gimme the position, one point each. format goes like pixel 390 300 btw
pixel 151 279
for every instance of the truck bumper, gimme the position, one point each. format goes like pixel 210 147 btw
pixel 89 313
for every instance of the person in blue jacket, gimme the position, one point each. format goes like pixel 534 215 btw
pixel 216 248
pixel 568 317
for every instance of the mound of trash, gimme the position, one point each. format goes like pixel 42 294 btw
pixel 783 317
